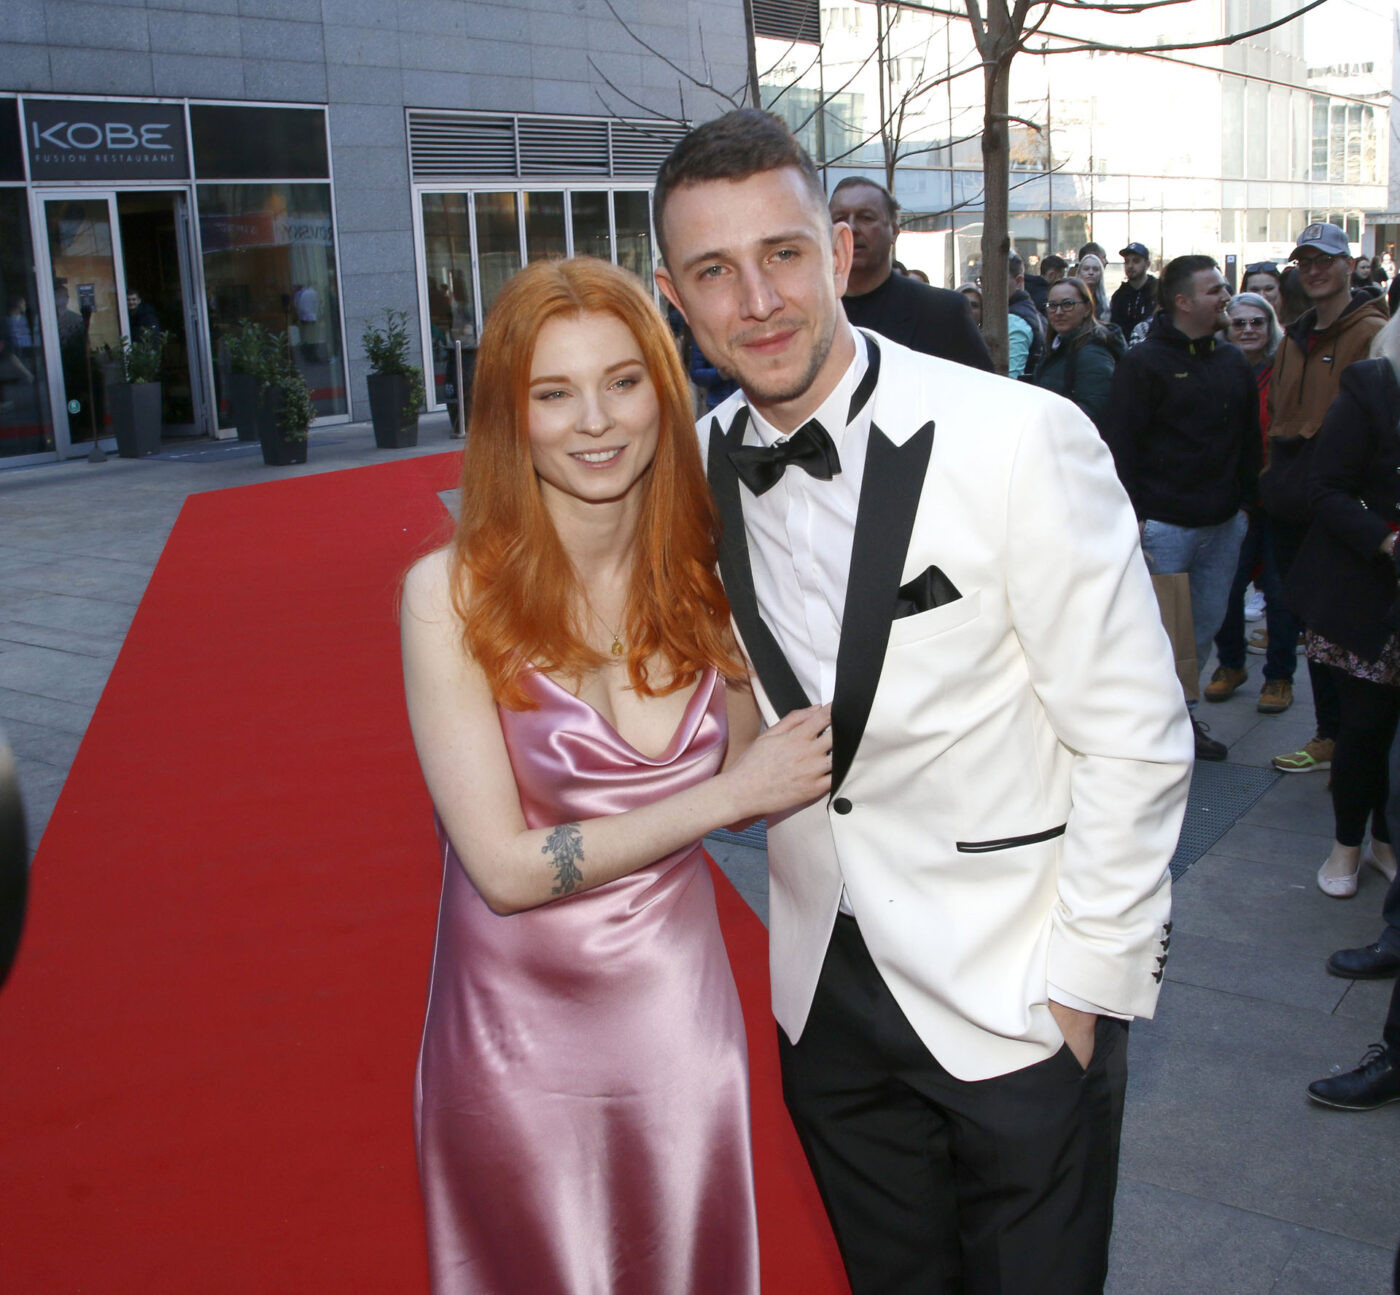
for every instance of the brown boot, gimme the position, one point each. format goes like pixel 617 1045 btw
pixel 1224 682
pixel 1275 697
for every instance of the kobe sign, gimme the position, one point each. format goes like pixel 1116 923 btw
pixel 87 139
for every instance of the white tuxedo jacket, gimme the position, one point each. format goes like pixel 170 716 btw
pixel 1011 752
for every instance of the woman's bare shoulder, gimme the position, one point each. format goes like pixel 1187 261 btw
pixel 427 588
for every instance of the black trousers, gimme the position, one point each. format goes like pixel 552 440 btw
pixel 1360 784
pixel 942 1186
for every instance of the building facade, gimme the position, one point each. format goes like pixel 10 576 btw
pixel 307 164
pixel 1228 150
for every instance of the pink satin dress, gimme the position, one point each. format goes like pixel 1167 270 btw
pixel 582 1093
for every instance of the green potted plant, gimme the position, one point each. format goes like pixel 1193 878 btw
pixel 285 413
pixel 136 399
pixel 396 389
pixel 251 349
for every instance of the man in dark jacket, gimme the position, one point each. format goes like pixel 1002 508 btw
pixel 932 320
pixel 1183 425
pixel 1136 297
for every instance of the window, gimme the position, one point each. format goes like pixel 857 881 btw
pixel 243 143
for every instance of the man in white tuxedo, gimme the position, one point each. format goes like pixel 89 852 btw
pixel 961 930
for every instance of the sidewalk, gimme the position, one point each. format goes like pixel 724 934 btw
pixel 1232 1182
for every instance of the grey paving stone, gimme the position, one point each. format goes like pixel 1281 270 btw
pixel 104 647
pixel 103 579
pixel 1208 962
pixel 1173 1243
pixel 42 744
pixel 1296 802
pixel 33 708
pixel 60 675
pixel 1263 843
pixel 1217 1108
pixel 747 868
pixel 1269 909
pixel 40 786
pixel 1365 1002
pixel 1327 1265
pixel 65 611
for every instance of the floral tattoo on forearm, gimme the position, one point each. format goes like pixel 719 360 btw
pixel 565 849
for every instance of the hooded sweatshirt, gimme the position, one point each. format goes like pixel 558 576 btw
pixel 1309 363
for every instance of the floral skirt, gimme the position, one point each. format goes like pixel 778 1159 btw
pixel 1385 669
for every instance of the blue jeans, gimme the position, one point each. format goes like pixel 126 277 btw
pixel 1281 659
pixel 1209 554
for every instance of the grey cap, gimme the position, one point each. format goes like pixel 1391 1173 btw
pixel 1322 238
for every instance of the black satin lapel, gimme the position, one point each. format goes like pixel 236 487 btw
pixel 889 497
pixel 772 666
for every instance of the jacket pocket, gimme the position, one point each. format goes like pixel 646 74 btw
pixel 1010 842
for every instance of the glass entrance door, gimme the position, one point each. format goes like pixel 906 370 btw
pixel 158 273
pixel 83 312
pixel 114 262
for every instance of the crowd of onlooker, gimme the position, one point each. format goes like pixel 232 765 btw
pixel 1256 436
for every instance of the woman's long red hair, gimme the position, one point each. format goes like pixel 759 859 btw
pixel 513 585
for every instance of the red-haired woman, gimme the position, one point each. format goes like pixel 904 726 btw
pixel 578 708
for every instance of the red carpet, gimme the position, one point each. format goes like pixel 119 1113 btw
pixel 207 1045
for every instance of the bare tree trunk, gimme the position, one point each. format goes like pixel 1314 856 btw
pixel 755 95
pixel 996 242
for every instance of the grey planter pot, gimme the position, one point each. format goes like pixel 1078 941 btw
pixel 394 429
pixel 278 449
pixel 243 404
pixel 135 408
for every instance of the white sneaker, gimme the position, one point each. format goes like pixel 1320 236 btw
pixel 1254 606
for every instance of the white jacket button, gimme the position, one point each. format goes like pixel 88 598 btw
pixel 841 805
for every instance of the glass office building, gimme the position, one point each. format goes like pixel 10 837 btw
pixel 1226 150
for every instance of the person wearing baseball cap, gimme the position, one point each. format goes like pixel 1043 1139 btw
pixel 1333 333
pixel 1136 297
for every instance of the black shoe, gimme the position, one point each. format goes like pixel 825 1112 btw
pixel 1207 748
pixel 1373 1083
pixel 1371 963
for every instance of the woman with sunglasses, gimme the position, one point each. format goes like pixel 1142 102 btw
pixel 1255 329
pixel 1082 354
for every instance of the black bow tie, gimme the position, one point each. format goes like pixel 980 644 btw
pixel 810 447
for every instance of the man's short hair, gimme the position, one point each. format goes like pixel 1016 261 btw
pixel 1176 278
pixel 891 206
pixel 733 147
pixel 1053 262
pixel 1015 266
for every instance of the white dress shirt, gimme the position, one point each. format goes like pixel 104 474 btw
pixel 800 533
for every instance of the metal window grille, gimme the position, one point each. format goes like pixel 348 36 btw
pixel 467 146
pixel 799 20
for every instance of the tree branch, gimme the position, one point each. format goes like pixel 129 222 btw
pixel 1095 47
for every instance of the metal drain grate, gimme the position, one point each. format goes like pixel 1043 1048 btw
pixel 1220 795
